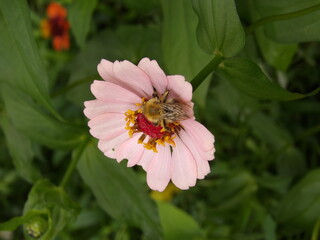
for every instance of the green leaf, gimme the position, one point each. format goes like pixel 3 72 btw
pixel 219 30
pixel 177 224
pixel 80 12
pixel 300 208
pixel 298 29
pixel 20 63
pixel 248 77
pixel 276 54
pixel 181 52
pixel 119 191
pixel 141 6
pixel 20 148
pixel 45 196
pixel 28 118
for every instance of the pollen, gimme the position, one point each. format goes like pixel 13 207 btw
pixel 136 122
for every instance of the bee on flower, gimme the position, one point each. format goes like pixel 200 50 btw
pixel 56 26
pixel 142 115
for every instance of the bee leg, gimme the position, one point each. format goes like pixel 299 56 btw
pixel 165 96
pixel 155 94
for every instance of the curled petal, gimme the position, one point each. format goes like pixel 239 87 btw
pixel 133 78
pixel 179 88
pixel 108 146
pixel 130 150
pixel 200 157
pixel 156 75
pixel 199 133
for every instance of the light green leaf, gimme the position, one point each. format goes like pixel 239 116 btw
pixel 44 196
pixel 20 148
pixel 177 224
pixel 80 12
pixel 28 118
pixel 20 63
pixel 276 54
pixel 294 30
pixel 119 191
pixel 248 77
pixel 301 206
pixel 219 30
pixel 181 53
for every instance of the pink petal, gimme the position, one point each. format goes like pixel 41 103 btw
pixel 107 125
pixel 199 133
pixel 130 150
pixel 105 71
pixel 113 93
pixel 179 88
pixel 133 77
pixel 97 107
pixel 146 158
pixel 108 147
pixel 203 167
pixel 158 173
pixel 183 166
pixel 156 75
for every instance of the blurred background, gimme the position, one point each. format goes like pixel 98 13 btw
pixel 264 181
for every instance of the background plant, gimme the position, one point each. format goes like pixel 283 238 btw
pixel 260 102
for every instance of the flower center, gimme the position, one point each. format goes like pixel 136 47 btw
pixel 137 122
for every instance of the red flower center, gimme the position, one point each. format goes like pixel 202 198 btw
pixel 148 128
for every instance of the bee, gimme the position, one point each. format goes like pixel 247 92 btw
pixel 162 112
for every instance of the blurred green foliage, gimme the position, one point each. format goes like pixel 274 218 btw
pixel 265 179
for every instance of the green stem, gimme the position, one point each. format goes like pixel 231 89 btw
pixel 73 164
pixel 203 74
pixel 281 17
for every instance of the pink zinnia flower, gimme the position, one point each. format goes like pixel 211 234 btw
pixel 142 115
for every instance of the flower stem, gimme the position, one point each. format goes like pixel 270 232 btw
pixel 281 17
pixel 203 74
pixel 73 164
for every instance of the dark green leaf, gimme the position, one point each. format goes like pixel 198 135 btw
pixel 80 18
pixel 300 208
pixel 28 118
pixel 181 52
pixel 248 77
pixel 219 30
pixel 294 30
pixel 20 63
pixel 119 191
pixel 177 224
pixel 141 6
pixel 20 148
pixel 45 196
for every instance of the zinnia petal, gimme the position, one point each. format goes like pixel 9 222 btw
pixel 183 166
pixel 97 107
pixel 158 173
pixel 136 79
pixel 113 93
pixel 156 75
pixel 179 88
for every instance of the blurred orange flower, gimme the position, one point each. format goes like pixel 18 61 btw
pixel 56 26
